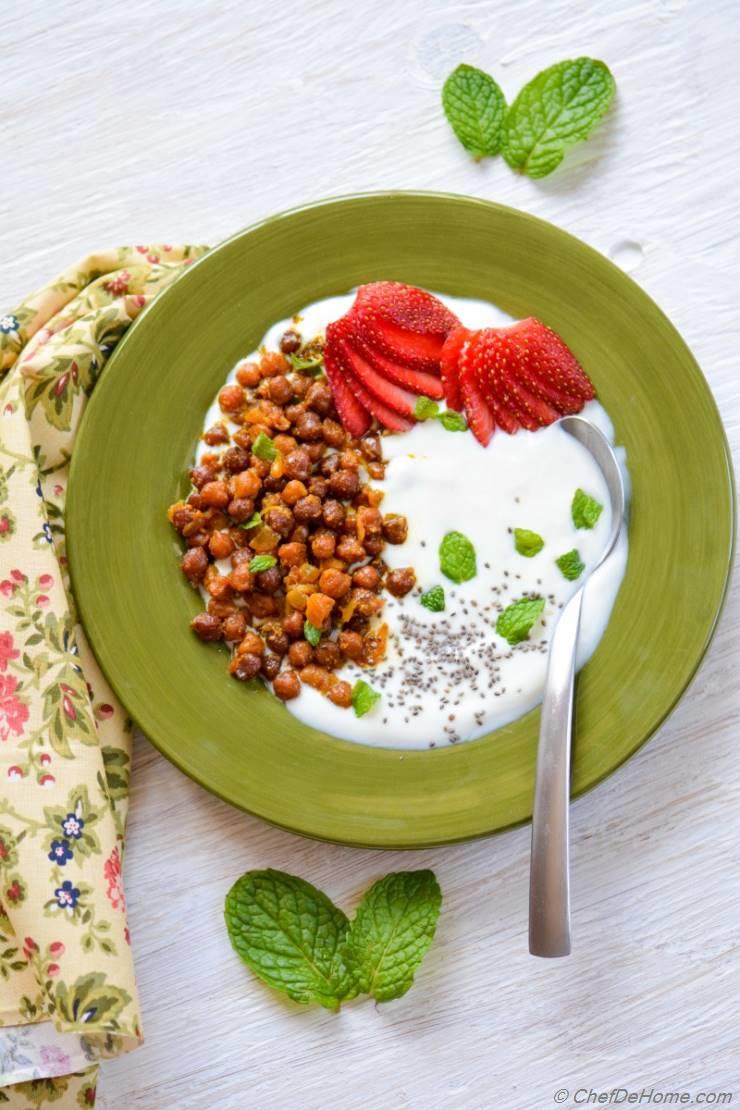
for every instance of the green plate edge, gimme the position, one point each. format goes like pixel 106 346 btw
pixel 479 787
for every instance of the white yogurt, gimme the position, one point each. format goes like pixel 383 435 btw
pixel 448 676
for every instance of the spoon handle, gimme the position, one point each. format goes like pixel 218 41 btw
pixel 549 880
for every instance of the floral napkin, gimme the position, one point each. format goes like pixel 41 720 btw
pixel 67 989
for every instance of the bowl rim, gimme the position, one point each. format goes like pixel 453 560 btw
pixel 74 499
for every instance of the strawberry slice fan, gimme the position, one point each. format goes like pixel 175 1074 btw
pixel 398 343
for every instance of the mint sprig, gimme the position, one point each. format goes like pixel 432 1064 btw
pixel 293 937
pixel 434 599
pixel 311 633
pixel 264 448
pixel 518 619
pixel 556 109
pixel 585 510
pixel 254 520
pixel 364 698
pixel 570 565
pixel 427 409
pixel 391 932
pixel 262 562
pixel 528 543
pixel 475 108
pixel 457 559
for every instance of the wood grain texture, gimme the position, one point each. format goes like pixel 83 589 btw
pixel 183 121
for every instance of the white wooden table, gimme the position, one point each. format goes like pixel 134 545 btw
pixel 171 121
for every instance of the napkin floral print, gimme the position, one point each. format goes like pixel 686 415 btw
pixel 64 740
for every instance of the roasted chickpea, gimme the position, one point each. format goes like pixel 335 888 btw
pixel 268 581
pixel 374 544
pixel 207 627
pixel 340 693
pixel 276 639
pixel 295 411
pixel 231 398
pixel 270 666
pixel 395 528
pixel 367 578
pixel 241 509
pixel 307 509
pixel 292 554
pixel 280 390
pixel 290 342
pixel 399 582
pixel 246 484
pixel 219 433
pixel 319 398
pixel 308 426
pixel 301 385
pixel 294 491
pixel 261 605
pixel 300 653
pixel 215 495
pixel 323 544
pixel 220 545
pixel 293 625
pixel 333 433
pixel 235 460
pixel 272 363
pixel 316 676
pixel 370 448
pixel 328 655
pixel 316 450
pixel 194 565
pixel 287 685
pixel 299 534
pixel 329 465
pixel 234 626
pixel 344 484
pixel 367 603
pixel 297 464
pixel 334 583
pixel 245 666
pixel 280 519
pixel 333 515
pixel 350 549
pixel 248 375
pixel 241 578
pixel 351 644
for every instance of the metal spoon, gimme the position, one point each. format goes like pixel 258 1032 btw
pixel 549 880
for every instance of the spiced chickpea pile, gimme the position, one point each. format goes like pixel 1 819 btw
pixel 284 533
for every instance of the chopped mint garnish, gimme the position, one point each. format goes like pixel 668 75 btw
pixel 254 520
pixel 391 932
pixel 475 108
pixel 363 698
pixel 290 934
pixel 528 543
pixel 453 421
pixel 262 562
pixel 434 599
pixel 311 633
pixel 556 109
pixel 457 557
pixel 264 448
pixel 516 621
pixel 425 408
pixel 571 566
pixel 585 510
pixel 309 363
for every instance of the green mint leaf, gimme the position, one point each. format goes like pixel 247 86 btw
pixel 391 932
pixel 262 562
pixel 264 448
pixel 425 408
pixel 571 566
pixel 308 361
pixel 516 621
pixel 311 633
pixel 453 421
pixel 585 510
pixel 290 935
pixel 254 520
pixel 457 557
pixel 475 108
pixel 434 599
pixel 528 543
pixel 556 109
pixel 364 698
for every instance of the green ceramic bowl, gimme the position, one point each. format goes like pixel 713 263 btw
pixel 140 431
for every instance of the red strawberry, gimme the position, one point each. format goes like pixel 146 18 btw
pixel 477 411
pixel 406 324
pixel 387 416
pixel 409 307
pixel 354 417
pixel 400 400
pixel 417 381
pixel 448 365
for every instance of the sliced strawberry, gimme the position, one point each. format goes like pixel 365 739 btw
pixel 367 400
pixel 543 359
pixel 479 415
pixel 448 365
pixel 400 400
pixel 417 381
pixel 354 417
pixel 420 352
pixel 523 401
pixel 408 307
